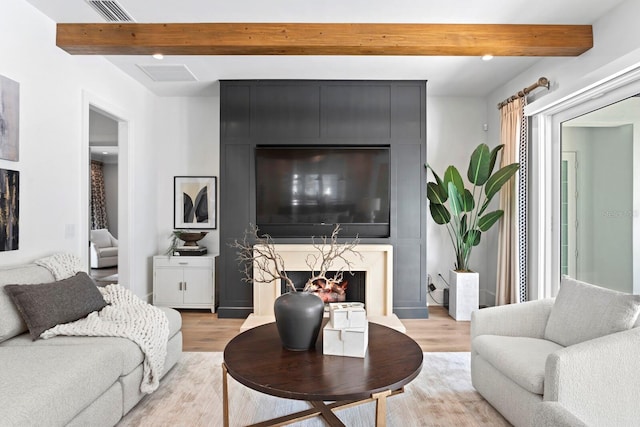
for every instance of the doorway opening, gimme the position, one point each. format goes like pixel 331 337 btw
pixel 105 128
pixel 103 199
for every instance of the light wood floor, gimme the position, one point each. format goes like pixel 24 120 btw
pixel 203 331
pixel 98 274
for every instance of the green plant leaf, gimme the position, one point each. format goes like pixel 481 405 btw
pixel 472 237
pixel 435 175
pixel 463 225
pixel 494 157
pixel 479 171
pixel 455 201
pixel 467 201
pixel 439 213
pixel 498 179
pixel 476 240
pixel 452 175
pixel 484 207
pixel 485 222
pixel 438 180
pixel 436 194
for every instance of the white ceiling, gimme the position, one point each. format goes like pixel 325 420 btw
pixel 447 76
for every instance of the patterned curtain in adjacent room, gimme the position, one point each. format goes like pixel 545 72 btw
pixel 511 276
pixel 98 205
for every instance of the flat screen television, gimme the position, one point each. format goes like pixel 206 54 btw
pixel 304 191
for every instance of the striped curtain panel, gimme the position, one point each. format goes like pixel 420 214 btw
pixel 98 204
pixel 511 280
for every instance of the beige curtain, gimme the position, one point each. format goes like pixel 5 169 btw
pixel 507 286
pixel 98 204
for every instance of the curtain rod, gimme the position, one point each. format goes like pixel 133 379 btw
pixel 542 82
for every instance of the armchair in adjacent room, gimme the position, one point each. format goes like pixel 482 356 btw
pixel 104 249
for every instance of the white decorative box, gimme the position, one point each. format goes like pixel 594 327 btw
pixel 347 315
pixel 350 342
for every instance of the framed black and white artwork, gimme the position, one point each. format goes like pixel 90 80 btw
pixel 194 202
pixel 9 119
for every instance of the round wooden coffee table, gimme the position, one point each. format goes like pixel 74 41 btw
pixel 256 359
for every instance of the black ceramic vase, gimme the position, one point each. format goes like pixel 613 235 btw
pixel 298 318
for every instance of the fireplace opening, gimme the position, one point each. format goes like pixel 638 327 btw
pixel 353 292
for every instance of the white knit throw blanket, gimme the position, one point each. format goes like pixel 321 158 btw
pixel 127 316
pixel 61 265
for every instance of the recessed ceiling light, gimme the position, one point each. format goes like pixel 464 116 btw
pixel 487 57
pixel 158 56
pixel 105 152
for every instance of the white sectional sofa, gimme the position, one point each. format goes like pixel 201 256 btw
pixel 572 361
pixel 81 381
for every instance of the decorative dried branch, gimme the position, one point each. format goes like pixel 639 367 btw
pixel 259 261
pixel 330 251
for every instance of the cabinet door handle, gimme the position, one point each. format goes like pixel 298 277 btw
pixel 185 286
pixel 183 263
pixel 179 286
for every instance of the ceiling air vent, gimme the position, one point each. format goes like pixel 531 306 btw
pixel 110 10
pixel 168 73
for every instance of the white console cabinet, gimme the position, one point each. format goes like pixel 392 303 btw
pixel 184 281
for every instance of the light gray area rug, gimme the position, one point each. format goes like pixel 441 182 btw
pixel 191 395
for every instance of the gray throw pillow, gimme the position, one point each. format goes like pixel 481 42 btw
pixel 46 305
pixel 11 322
pixel 583 312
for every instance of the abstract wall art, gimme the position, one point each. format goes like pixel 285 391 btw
pixel 194 202
pixel 9 209
pixel 9 119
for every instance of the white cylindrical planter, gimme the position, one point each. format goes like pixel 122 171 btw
pixel 463 295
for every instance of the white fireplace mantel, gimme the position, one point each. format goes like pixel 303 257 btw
pixel 375 260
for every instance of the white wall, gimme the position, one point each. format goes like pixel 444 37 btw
pixel 454 129
pixel 52 84
pixel 180 136
pixel 188 144
pixel 616 46
pixel 616 49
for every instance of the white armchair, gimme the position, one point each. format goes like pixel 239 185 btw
pixel 569 362
pixel 104 249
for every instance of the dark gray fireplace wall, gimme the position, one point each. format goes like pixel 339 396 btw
pixel 270 112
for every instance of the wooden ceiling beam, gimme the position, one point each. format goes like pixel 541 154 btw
pixel 324 39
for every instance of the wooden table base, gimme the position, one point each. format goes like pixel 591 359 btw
pixel 319 409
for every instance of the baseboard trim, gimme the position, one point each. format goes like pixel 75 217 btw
pixel 234 312
pixel 411 312
pixel 487 298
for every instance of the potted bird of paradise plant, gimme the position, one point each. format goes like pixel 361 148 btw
pixel 466 215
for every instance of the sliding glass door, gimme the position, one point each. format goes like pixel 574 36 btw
pixel 599 187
